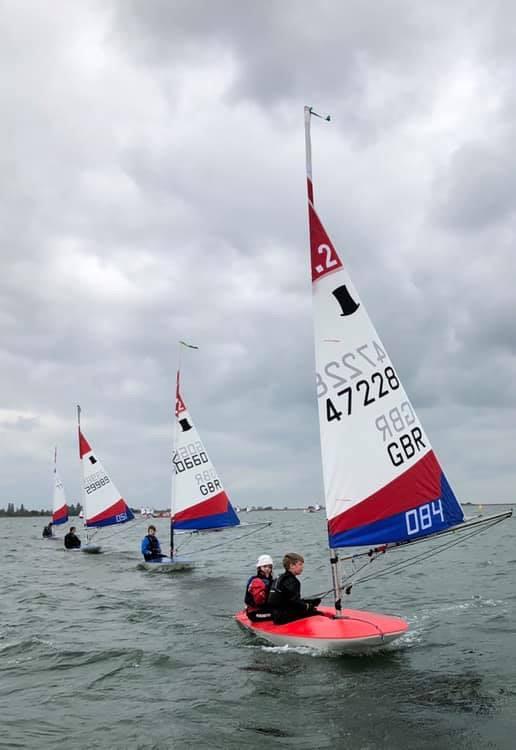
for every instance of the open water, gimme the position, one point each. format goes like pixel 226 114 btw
pixel 95 653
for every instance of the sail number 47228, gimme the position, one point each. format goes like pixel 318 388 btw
pixel 380 384
pixel 423 517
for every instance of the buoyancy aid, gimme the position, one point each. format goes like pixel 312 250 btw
pixel 286 589
pixel 152 548
pixel 286 593
pixel 72 541
pixel 285 600
pixel 257 592
pixel 153 544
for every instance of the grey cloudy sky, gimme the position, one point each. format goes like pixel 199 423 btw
pixel 152 188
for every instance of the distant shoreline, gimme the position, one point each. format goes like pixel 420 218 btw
pixel 166 513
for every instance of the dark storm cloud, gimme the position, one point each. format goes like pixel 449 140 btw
pixel 282 47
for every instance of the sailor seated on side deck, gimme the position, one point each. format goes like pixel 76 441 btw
pixel 151 549
pixel 71 540
pixel 47 531
pixel 257 590
pixel 285 596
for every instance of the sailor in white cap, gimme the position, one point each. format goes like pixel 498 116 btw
pixel 257 590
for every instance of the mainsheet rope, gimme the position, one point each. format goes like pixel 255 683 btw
pixel 259 526
pixel 95 530
pixel 426 555
pixel 346 581
pixel 139 519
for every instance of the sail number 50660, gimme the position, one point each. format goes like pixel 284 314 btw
pixel 423 517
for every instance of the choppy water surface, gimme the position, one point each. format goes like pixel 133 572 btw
pixel 97 654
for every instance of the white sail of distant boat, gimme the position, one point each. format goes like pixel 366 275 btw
pixel 383 483
pixel 103 503
pixel 59 504
pixel 199 501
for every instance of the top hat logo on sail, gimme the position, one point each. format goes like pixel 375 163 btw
pixel 185 425
pixel 345 300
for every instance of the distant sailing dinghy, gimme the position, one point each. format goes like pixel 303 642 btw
pixel 199 501
pixel 103 504
pixel 59 504
pixel 383 484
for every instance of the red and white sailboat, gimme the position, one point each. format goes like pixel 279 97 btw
pixel 103 503
pixel 384 486
pixel 199 502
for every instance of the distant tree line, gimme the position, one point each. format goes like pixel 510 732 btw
pixel 73 510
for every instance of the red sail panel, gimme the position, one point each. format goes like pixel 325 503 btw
pixel 417 485
pixel 324 257
pixel 84 446
pixel 215 505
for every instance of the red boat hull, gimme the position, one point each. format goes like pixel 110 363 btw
pixel 357 630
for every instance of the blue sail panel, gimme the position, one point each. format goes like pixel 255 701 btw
pixel 215 513
pixel 117 513
pixel 418 503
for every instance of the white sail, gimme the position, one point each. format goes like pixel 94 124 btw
pixel 382 480
pixel 59 505
pixel 103 504
pixel 199 500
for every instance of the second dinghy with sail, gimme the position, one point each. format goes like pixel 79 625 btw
pixel 199 500
pixel 384 486
pixel 103 504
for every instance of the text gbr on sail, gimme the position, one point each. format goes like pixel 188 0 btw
pixel 400 420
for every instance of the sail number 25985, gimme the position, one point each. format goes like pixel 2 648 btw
pixel 422 518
